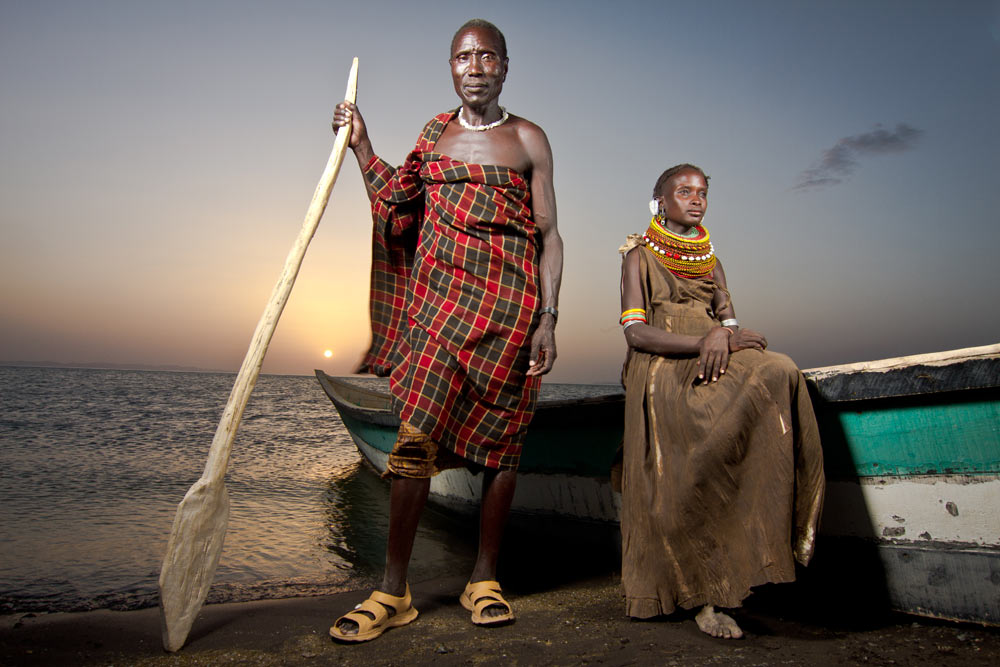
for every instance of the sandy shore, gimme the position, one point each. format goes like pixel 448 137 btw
pixel 564 585
pixel 572 623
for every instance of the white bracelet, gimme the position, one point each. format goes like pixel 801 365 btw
pixel 630 323
pixel 731 322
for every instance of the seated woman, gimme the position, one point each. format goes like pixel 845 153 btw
pixel 722 482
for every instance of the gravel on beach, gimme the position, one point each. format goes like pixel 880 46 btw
pixel 578 622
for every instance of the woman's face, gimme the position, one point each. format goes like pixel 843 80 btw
pixel 683 200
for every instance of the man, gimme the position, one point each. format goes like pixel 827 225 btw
pixel 465 283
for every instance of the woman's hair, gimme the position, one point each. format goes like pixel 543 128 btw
pixel 676 169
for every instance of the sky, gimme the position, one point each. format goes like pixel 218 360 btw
pixel 157 160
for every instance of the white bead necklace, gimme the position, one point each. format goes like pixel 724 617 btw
pixel 483 128
pixel 686 258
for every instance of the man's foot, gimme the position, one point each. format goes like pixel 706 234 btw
pixel 717 624
pixel 487 605
pixel 374 616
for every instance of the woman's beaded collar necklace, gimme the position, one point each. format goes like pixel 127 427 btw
pixel 686 256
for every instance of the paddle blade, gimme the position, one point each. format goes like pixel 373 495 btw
pixel 192 555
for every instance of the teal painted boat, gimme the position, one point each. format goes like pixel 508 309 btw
pixel 568 451
pixel 912 457
pixel 912 460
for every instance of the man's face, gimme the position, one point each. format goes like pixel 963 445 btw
pixel 477 68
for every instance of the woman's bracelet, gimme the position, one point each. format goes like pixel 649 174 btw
pixel 632 316
pixel 731 322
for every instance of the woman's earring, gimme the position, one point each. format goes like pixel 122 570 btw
pixel 654 206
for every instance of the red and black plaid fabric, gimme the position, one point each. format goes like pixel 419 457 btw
pixel 454 297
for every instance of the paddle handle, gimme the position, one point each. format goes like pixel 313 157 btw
pixel 218 455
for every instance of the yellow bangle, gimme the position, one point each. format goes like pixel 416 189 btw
pixel 632 315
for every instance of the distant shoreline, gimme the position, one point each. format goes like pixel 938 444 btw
pixel 109 366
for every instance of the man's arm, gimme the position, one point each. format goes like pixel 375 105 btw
pixel 360 143
pixel 543 206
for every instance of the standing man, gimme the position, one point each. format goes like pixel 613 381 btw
pixel 465 284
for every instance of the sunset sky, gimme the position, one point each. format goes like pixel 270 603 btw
pixel 158 158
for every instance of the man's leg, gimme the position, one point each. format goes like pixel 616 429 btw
pixel 498 492
pixel 406 503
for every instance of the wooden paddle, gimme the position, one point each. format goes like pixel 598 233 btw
pixel 200 524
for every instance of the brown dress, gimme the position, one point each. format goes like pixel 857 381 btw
pixel 722 482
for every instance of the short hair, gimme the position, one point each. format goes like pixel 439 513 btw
pixel 485 25
pixel 673 171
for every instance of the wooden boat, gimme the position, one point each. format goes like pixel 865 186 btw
pixel 912 457
pixel 568 450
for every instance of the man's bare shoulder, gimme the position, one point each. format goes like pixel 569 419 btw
pixel 526 129
pixel 532 138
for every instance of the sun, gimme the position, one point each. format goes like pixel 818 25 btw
pixel 328 353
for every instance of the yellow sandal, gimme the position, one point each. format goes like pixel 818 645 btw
pixel 478 596
pixel 373 619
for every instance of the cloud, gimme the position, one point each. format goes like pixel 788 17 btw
pixel 842 160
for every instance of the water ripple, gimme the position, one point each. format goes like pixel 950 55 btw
pixel 94 462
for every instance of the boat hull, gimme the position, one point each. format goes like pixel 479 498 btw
pixel 564 472
pixel 912 459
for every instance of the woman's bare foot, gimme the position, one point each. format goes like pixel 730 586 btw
pixel 717 624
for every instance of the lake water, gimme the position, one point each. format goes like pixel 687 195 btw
pixel 94 462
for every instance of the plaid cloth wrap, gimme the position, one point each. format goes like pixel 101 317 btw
pixel 453 305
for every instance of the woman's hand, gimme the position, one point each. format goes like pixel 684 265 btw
pixel 747 339
pixel 716 346
pixel 713 353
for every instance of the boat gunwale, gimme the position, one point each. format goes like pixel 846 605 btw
pixel 331 383
pixel 946 358
pixel 942 373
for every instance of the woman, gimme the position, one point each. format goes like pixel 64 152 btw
pixel 722 481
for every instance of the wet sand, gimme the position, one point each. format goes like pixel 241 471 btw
pixel 576 622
